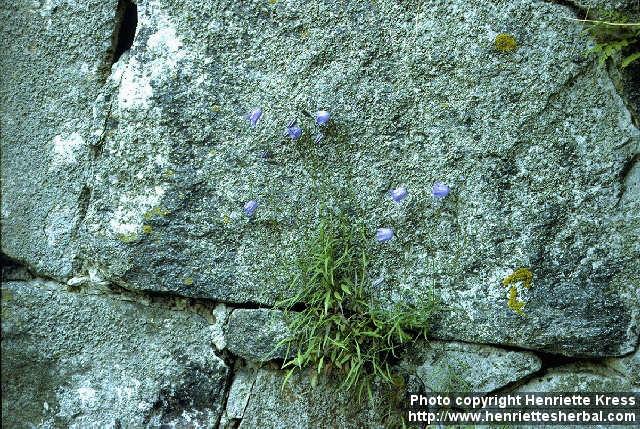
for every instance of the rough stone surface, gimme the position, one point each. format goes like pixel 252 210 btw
pixel 76 360
pixel 580 378
pixel 299 405
pixel 52 66
pixel 604 6
pixel 255 334
pixel 460 367
pixel 536 145
pixel 239 395
pixel 134 174
pixel 628 367
pixel 533 143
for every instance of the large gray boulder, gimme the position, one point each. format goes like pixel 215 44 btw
pixel 533 140
pixel 53 61
pixel 77 360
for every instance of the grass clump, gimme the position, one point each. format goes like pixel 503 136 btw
pixel 340 331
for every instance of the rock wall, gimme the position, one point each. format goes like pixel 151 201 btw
pixel 137 293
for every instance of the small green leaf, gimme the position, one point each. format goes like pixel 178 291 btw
pixel 626 61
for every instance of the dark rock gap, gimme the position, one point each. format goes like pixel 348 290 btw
pixel 83 205
pixel 126 27
pixel 13 270
pixel 124 31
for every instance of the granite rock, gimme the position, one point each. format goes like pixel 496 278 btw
pixel 78 360
pixel 580 377
pixel 256 334
pixel 536 144
pixel 461 367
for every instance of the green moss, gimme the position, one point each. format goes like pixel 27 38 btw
pixel 505 43
pixel 147 229
pixel 188 281
pixel 6 295
pixel 523 275
pixel 514 303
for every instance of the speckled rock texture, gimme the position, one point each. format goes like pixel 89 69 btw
pixel 607 6
pixel 535 144
pixel 581 378
pixel 256 335
pixel 628 367
pixel 257 399
pixel 76 360
pixel 460 367
pixel 52 64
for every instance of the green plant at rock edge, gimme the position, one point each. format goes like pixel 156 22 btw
pixel 341 331
pixel 615 38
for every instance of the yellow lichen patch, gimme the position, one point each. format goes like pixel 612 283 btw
pixel 128 238
pixel 226 219
pixel 523 275
pixel 187 281
pixel 216 108
pixel 155 212
pixel 147 229
pixel 505 43
pixel 514 303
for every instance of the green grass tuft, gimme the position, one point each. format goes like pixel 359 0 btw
pixel 341 332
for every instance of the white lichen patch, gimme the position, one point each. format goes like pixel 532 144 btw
pixel 161 160
pixel 129 215
pixel 86 395
pixel 164 41
pixel 135 89
pixel 93 398
pixel 163 51
pixel 66 149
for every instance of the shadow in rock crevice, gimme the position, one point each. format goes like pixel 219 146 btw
pixel 124 31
